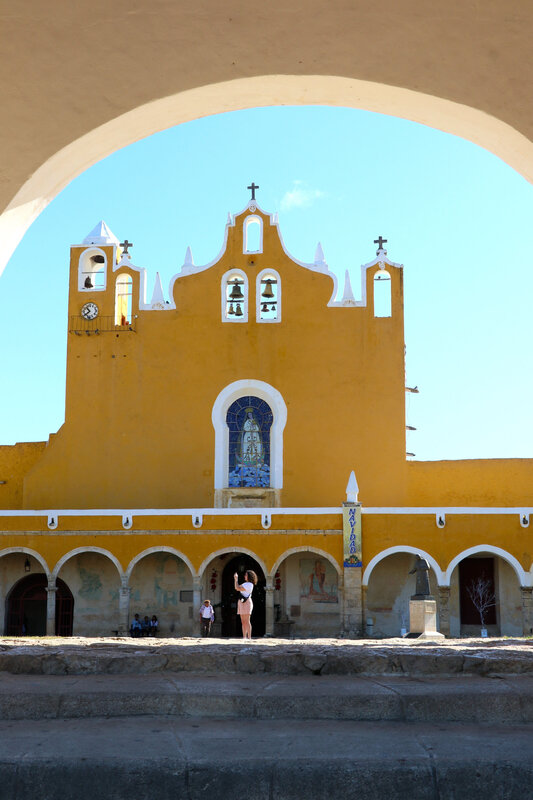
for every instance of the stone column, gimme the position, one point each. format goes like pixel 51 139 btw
pixel 526 593
pixel 444 610
pixel 124 608
pixel 196 603
pixel 269 608
pixel 51 590
pixel 352 602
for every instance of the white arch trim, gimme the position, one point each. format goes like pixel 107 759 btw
pixel 8 550
pixel 89 549
pixel 523 577
pixel 224 551
pixel 279 411
pixel 158 549
pixel 262 90
pixel 441 581
pixel 303 549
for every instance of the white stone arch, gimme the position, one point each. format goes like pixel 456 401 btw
pixel 62 167
pixel 224 551
pixel 304 549
pixel 218 416
pixel 88 549
pixel 84 268
pixel 9 550
pixel 158 549
pixel 523 578
pixel 252 219
pixel 441 580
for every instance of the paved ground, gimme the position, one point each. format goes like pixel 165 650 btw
pixel 153 758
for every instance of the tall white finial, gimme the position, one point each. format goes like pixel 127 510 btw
pixel 352 490
pixel 158 299
pixel 320 261
pixel 348 298
pixel 228 222
pixel 189 260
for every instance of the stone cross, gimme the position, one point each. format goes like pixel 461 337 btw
pixel 125 245
pixel 253 187
pixel 380 242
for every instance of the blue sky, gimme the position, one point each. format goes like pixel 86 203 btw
pixel 454 215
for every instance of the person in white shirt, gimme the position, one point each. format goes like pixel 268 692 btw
pixel 244 604
pixel 207 617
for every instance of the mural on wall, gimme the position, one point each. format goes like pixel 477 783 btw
pixel 91 585
pixel 318 581
pixel 162 581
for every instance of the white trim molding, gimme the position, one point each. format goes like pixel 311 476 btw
pixel 224 400
pixel 441 578
pixel 524 578
pixel 157 549
pixel 304 549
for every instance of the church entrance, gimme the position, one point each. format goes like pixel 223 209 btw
pixel 231 624
pixel 26 608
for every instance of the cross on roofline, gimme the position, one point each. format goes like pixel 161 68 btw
pixel 380 242
pixel 253 187
pixel 125 245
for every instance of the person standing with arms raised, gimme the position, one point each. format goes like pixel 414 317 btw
pixel 245 605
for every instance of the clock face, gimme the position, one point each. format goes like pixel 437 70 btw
pixel 89 311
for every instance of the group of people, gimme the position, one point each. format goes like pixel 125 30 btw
pixel 244 605
pixel 144 627
pixel 150 627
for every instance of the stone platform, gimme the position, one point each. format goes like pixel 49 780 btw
pixel 190 718
pixel 80 656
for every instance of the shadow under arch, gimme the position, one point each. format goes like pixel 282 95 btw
pixel 524 579
pixel 158 549
pixel 304 549
pixel 263 90
pixel 225 551
pixel 88 549
pixel 441 580
pixel 9 550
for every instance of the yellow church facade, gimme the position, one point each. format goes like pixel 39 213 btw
pixel 251 420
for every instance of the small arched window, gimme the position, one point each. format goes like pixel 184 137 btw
pixel 234 297
pixel 382 294
pixel 268 296
pixel 123 299
pixel 249 420
pixel 92 270
pixel 253 235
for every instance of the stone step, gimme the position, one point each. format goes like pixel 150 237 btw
pixel 330 697
pixel 56 656
pixel 156 758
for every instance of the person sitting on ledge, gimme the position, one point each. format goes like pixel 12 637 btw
pixel 136 627
pixel 145 626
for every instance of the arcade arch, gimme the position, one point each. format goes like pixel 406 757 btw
pixel 265 90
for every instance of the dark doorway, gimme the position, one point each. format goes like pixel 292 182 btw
pixel 470 570
pixel 26 607
pixel 231 624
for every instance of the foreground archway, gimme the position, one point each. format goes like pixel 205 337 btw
pixel 26 607
pixel 264 90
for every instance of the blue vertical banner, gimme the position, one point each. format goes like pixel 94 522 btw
pixel 351 523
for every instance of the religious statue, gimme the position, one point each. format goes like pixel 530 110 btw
pixel 251 444
pixel 421 568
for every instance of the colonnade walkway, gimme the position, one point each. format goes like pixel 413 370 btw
pixel 274 719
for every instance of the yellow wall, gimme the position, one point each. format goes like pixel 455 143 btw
pixel 138 428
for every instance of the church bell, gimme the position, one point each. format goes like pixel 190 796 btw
pixel 236 293
pixel 268 293
pixel 238 310
pixel 230 309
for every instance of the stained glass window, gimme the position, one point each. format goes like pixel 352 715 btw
pixel 249 420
